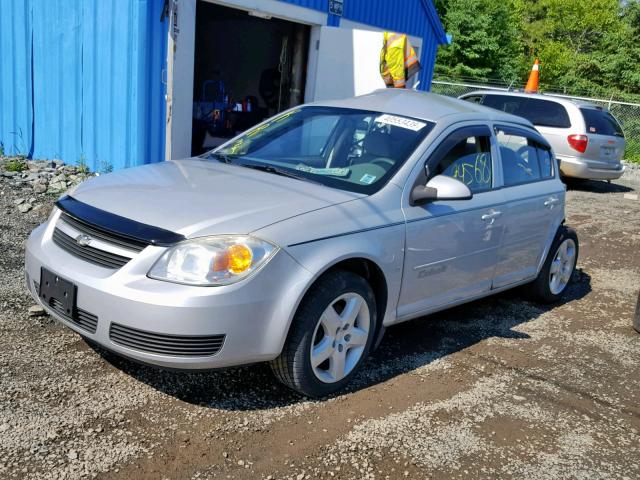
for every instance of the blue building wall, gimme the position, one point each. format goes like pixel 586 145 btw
pixel 16 116
pixel 81 80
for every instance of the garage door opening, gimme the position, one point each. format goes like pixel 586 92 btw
pixel 247 67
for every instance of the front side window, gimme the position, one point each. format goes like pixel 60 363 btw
pixel 469 161
pixel 353 150
pixel 523 159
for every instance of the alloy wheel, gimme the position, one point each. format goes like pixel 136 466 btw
pixel 340 337
pixel 562 266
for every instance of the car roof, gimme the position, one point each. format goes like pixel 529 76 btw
pixel 553 98
pixel 423 106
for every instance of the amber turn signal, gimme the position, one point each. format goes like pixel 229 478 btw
pixel 240 258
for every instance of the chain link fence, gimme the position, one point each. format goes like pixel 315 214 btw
pixel 627 113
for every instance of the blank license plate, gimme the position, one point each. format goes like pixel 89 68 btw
pixel 55 289
pixel 607 151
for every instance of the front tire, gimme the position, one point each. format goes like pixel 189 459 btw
pixel 330 336
pixel 555 275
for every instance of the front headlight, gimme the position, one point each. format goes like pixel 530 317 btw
pixel 211 261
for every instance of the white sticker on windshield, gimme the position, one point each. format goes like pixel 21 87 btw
pixel 401 122
pixel 336 172
pixel 368 179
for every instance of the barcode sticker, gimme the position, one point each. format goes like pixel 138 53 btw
pixel 401 122
pixel 367 179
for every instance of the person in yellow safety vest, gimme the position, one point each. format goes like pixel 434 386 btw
pixel 398 60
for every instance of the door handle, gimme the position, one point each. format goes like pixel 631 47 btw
pixel 491 216
pixel 551 201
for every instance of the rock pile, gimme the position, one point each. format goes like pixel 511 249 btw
pixel 36 178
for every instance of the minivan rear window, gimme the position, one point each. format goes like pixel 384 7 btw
pixel 544 113
pixel 601 122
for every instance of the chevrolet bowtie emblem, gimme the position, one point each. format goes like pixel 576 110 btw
pixel 83 240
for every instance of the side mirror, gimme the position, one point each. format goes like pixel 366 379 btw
pixel 439 187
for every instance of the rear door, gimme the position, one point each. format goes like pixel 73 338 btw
pixel 534 199
pixel 606 141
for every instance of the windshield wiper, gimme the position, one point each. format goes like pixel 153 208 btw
pixel 222 157
pixel 276 171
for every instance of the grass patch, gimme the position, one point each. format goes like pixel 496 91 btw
pixel 16 165
pixel 82 165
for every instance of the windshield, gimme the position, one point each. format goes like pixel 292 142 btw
pixel 353 150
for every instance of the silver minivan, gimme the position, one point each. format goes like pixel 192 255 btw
pixel 587 140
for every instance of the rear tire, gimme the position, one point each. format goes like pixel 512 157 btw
pixel 330 336
pixel 556 273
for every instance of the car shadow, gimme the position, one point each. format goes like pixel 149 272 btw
pixel 405 347
pixel 595 186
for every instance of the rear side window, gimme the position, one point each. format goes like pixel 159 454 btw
pixel 544 113
pixel 523 159
pixel 601 122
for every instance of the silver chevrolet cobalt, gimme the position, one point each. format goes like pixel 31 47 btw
pixel 299 241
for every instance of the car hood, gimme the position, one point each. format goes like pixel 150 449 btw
pixel 196 197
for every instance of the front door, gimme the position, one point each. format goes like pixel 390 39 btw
pixel 452 246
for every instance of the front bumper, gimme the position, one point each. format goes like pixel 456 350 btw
pixel 580 168
pixel 253 315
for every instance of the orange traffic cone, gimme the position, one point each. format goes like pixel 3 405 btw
pixel 534 78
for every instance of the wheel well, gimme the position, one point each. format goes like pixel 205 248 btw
pixel 376 279
pixel 372 274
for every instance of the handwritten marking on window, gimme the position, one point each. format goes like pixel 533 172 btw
pixel 478 172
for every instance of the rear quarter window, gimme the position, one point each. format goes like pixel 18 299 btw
pixel 540 112
pixel 546 160
pixel 601 122
pixel 474 99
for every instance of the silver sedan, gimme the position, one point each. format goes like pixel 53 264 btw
pixel 299 241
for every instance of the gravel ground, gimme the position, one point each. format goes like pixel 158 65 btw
pixel 500 388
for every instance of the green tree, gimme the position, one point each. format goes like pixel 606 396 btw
pixel 586 46
pixel 485 39
pixel 619 59
pixel 566 35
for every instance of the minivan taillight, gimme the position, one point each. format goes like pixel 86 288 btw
pixel 578 142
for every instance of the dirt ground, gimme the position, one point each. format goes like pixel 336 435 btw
pixel 500 388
